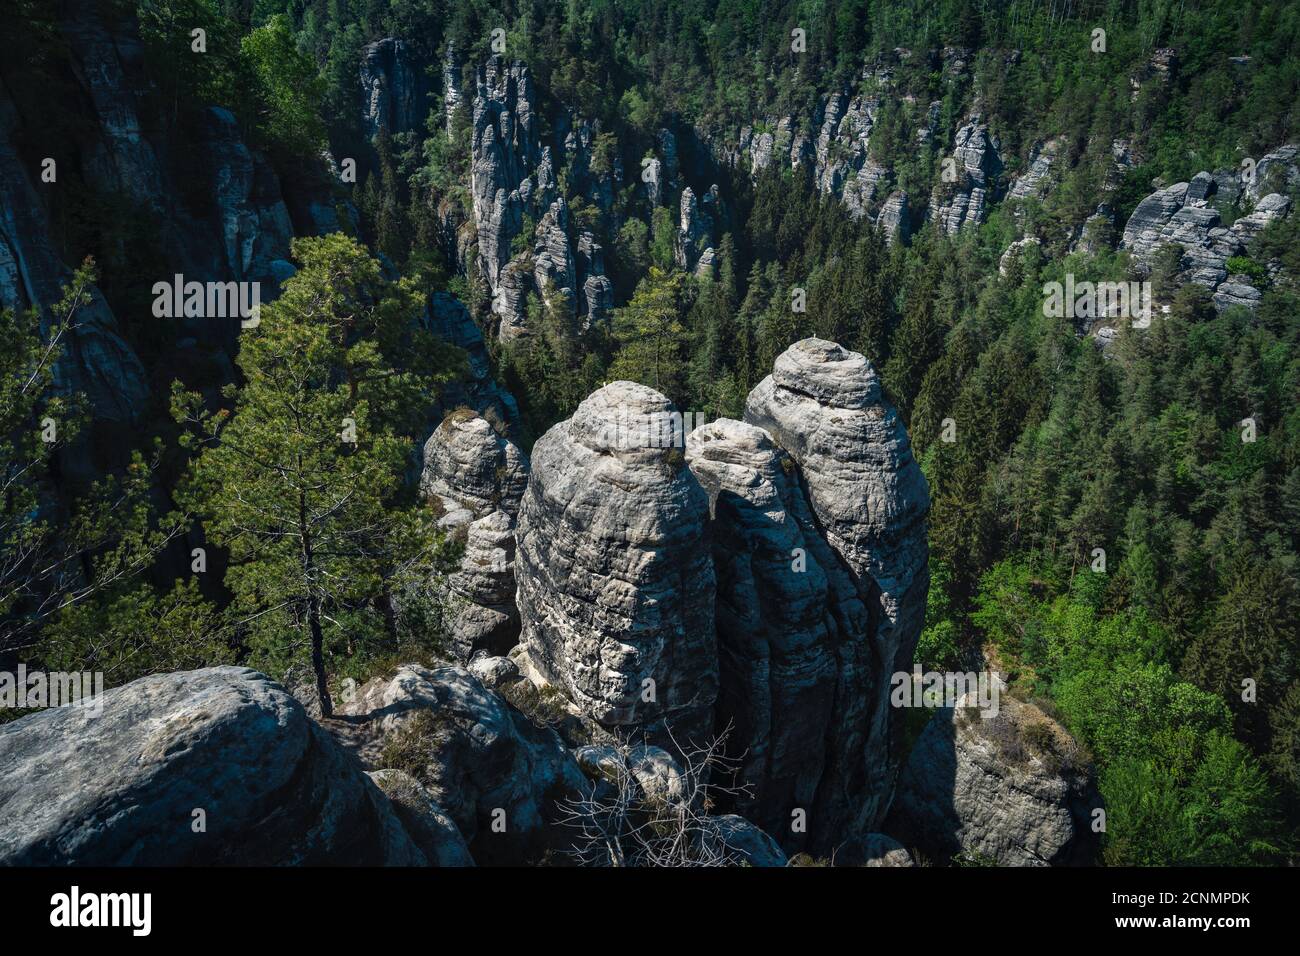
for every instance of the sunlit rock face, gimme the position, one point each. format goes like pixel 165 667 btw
pixel 474 477
pixel 1012 787
pixel 616 585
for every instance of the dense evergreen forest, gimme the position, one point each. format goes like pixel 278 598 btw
pixel 1173 657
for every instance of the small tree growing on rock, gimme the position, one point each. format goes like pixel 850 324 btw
pixel 302 480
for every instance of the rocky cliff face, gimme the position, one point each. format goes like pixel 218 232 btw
pixel 697 230
pixel 505 169
pixel 615 582
pixel 966 201
pixel 834 142
pixel 97 360
pixel 842 166
pixel 1037 178
pixel 254 221
pixel 1188 216
pixel 221 212
pixel 448 319
pixel 394 91
pixel 513 185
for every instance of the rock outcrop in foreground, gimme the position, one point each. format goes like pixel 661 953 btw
pixel 429 767
pixel 495 773
pixel 197 768
pixel 1009 789
pixel 615 582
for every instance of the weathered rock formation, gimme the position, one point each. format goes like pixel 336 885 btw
pixel 823 405
pixel 842 166
pixel 394 91
pixel 506 156
pixel 965 202
pixel 495 773
pixel 477 478
pixel 896 217
pixel 555 276
pixel 835 144
pixel 470 467
pixel 1276 172
pixel 596 297
pixel 697 227
pixel 1036 180
pixel 210 767
pixel 253 219
pixel 784 603
pixel 815 511
pixel 1009 788
pixel 1187 216
pixel 514 188
pixel 615 582
pixel 1016 252
pixel 482 591
pixel 874 850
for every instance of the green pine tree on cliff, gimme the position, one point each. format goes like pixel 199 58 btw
pixel 302 479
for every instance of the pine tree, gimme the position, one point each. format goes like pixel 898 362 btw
pixel 917 342
pixel 301 480
pixel 651 335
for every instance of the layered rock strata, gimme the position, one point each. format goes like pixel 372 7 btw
pixel 823 405
pixel 615 582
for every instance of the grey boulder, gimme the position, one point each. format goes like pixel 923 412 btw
pixel 500 777
pixel 194 768
pixel 1010 789
pixel 428 825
